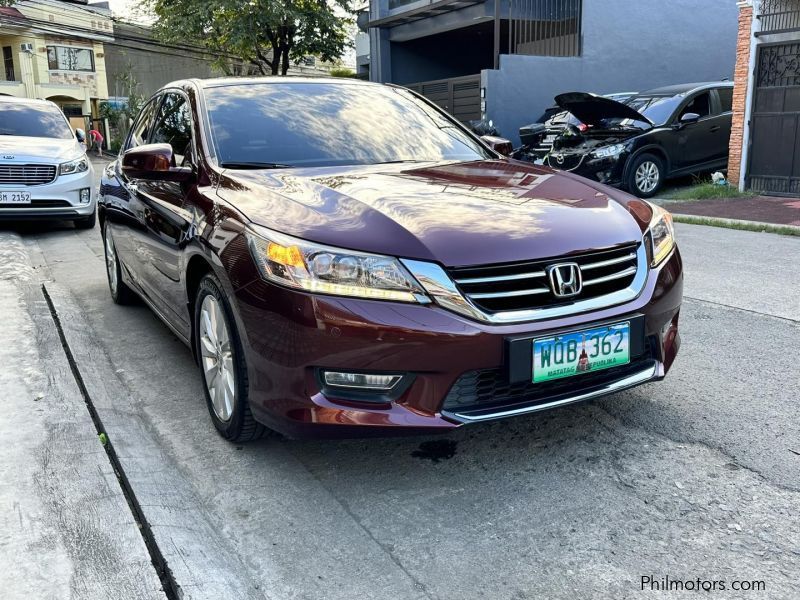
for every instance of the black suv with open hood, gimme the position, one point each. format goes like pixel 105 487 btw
pixel 652 136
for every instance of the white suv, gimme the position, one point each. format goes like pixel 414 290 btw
pixel 44 171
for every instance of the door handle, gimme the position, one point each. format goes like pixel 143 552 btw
pixel 715 129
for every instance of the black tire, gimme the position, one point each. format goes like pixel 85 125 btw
pixel 637 182
pixel 121 293
pixel 241 426
pixel 88 222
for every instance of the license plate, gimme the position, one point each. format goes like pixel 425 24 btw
pixel 15 198
pixel 581 352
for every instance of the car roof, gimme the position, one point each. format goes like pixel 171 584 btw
pixel 29 101
pixel 228 81
pixel 685 88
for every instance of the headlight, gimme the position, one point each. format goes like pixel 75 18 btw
pixel 314 268
pixel 80 165
pixel 609 151
pixel 661 234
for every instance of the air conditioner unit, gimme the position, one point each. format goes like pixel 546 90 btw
pixel 26 47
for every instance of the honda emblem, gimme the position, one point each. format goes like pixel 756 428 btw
pixel 565 279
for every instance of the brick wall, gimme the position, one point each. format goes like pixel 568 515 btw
pixel 741 83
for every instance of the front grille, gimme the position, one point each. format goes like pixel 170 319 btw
pixel 39 204
pixel 525 286
pixel 491 389
pixel 26 174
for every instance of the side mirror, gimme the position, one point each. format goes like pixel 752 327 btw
pixel 498 144
pixel 153 162
pixel 689 118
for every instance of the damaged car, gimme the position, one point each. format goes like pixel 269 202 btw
pixel 652 136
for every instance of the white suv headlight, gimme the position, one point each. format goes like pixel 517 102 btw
pixel 661 235
pixel 80 165
pixel 311 267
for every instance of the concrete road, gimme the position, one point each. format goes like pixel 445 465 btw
pixel 696 477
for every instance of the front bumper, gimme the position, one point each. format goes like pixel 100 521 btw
pixel 608 171
pixel 54 201
pixel 288 336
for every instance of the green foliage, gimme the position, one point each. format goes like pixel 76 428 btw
pixel 267 34
pixel 120 118
pixel 706 191
pixel 342 72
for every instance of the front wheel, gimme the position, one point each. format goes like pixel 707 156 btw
pixel 222 364
pixel 87 222
pixel 646 175
pixel 120 292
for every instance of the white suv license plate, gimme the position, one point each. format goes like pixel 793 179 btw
pixel 15 198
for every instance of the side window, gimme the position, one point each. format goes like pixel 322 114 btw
pixel 700 105
pixel 141 128
pixel 174 127
pixel 725 99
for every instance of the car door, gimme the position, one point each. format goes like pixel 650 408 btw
pixel 123 210
pixel 723 119
pixel 167 225
pixel 696 142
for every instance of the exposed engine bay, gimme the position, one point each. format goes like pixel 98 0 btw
pixel 573 146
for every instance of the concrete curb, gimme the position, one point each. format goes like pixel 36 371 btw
pixel 735 223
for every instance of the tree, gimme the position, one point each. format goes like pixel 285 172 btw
pixel 268 34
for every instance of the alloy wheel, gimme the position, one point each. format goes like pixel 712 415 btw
pixel 111 263
pixel 647 177
pixel 217 358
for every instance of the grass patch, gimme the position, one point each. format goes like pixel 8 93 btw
pixel 706 191
pixel 740 225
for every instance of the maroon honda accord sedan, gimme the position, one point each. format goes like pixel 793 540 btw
pixel 345 259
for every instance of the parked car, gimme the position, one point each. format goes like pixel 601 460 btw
pixel 655 135
pixel 44 171
pixel 537 138
pixel 338 278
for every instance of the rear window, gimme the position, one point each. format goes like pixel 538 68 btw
pixel 29 120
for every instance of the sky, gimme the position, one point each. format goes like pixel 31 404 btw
pixel 124 9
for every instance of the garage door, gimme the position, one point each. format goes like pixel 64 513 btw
pixel 775 127
pixel 460 96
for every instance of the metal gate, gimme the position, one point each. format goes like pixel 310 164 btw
pixel 774 165
pixel 460 96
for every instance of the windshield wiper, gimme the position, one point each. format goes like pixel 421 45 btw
pixel 254 165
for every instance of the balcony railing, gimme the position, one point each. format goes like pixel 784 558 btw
pixel 779 16
pixel 545 27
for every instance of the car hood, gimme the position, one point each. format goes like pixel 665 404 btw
pixel 592 109
pixel 39 150
pixel 457 214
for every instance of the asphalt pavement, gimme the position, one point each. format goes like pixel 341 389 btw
pixel 697 477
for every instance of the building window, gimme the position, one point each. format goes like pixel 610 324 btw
pixel 67 58
pixel 398 3
pixel 8 62
pixel 545 27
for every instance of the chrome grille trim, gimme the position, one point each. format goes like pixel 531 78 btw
pixel 515 294
pixel 442 289
pixel 27 174
pixel 613 277
pixel 498 279
pixel 609 263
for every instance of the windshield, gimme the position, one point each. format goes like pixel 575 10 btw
pixel 33 120
pixel 325 124
pixel 656 108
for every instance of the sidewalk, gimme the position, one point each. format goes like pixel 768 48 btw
pixel 66 530
pixel 761 209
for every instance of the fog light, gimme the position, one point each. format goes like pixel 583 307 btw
pixel 362 381
pixel 86 195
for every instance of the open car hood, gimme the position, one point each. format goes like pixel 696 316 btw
pixel 591 109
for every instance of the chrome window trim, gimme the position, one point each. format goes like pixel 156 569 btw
pixel 439 286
